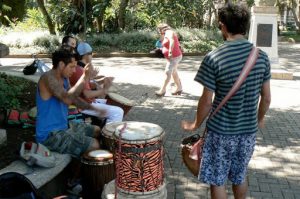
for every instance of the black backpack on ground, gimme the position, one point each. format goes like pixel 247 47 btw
pixel 31 68
pixel 16 186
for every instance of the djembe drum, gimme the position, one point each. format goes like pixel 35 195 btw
pixel 97 170
pixel 108 142
pixel 139 158
pixel 118 100
pixel 110 189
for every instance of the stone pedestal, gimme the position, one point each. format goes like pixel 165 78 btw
pixel 263 30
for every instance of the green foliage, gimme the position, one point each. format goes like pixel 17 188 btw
pixel 68 17
pixel 16 13
pixel 10 90
pixel 50 43
pixel 4 7
pixel 199 40
pixel 192 40
pixel 34 21
pixel 111 21
pixel 291 35
pixel 138 41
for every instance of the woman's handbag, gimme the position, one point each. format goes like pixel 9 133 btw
pixel 192 146
pixel 191 152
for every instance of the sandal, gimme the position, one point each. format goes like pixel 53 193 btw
pixel 157 93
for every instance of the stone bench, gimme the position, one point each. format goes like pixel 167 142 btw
pixel 50 182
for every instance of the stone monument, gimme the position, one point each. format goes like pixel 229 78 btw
pixel 263 30
pixel 264 35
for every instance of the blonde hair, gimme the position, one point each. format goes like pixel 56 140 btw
pixel 163 27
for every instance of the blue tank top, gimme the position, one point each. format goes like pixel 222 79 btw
pixel 52 115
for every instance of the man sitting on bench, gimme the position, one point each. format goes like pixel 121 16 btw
pixel 95 96
pixel 53 97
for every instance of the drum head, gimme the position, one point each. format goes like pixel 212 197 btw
pixel 136 132
pixel 121 99
pixel 98 155
pixel 110 128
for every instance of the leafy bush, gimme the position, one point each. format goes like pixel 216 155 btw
pixel 136 41
pixel 192 40
pixel 17 12
pixel 10 89
pixel 13 38
pixel 199 40
pixel 50 43
pixel 34 21
pixel 139 41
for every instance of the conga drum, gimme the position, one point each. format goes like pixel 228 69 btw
pixel 110 190
pixel 97 170
pixel 118 100
pixel 107 140
pixel 139 157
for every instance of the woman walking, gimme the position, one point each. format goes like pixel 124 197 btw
pixel 172 52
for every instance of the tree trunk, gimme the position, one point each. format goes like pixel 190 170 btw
pixel 100 17
pixel 121 16
pixel 50 24
pixel 99 20
pixel 296 19
pixel 209 17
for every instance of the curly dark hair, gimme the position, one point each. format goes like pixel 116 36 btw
pixel 63 55
pixel 236 18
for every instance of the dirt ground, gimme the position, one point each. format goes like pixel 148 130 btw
pixel 16 134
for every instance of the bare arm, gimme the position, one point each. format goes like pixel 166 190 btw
pixel 264 103
pixel 203 109
pixel 51 86
pixel 170 36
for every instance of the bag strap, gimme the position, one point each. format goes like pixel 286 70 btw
pixel 251 60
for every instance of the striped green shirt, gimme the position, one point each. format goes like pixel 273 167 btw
pixel 218 72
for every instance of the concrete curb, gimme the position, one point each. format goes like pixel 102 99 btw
pixel 281 74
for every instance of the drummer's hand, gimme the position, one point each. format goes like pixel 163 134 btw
pixel 108 82
pixel 188 126
pixel 87 71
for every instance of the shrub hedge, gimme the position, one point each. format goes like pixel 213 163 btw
pixel 192 40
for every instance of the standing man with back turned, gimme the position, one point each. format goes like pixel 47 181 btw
pixel 231 132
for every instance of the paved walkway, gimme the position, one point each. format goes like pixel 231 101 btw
pixel 274 170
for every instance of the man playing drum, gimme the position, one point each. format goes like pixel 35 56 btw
pixel 113 113
pixel 53 97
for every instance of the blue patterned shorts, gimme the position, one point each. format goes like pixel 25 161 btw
pixel 226 157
